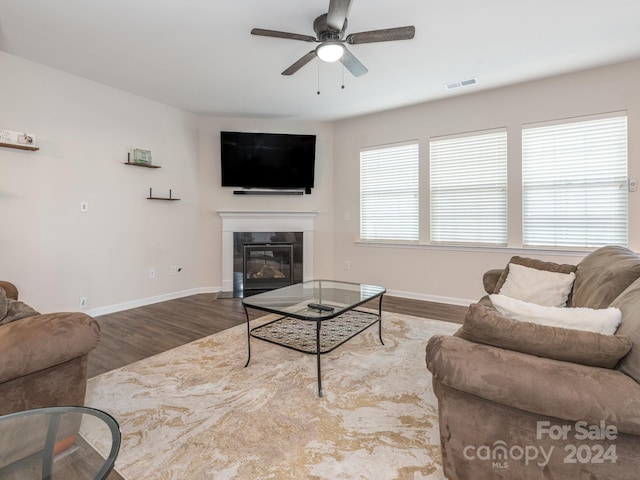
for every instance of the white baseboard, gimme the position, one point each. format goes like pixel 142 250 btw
pixel 431 298
pixel 119 307
pixel 94 312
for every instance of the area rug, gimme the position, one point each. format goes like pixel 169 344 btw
pixel 196 413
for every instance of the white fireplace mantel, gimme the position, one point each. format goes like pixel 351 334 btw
pixel 265 221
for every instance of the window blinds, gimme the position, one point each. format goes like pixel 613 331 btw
pixel 574 180
pixel 389 196
pixel 468 184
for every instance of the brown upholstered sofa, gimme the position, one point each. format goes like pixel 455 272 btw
pixel 43 358
pixel 507 414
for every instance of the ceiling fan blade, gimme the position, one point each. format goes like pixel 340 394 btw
pixel 385 35
pixel 338 11
pixel 300 63
pixel 352 64
pixel 277 34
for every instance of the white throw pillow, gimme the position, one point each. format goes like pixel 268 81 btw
pixel 604 321
pixel 542 287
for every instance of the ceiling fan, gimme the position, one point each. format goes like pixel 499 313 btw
pixel 330 28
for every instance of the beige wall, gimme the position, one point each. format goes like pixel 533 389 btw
pixel 215 198
pixel 455 274
pixel 55 254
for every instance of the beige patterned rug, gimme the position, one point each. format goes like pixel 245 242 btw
pixel 196 413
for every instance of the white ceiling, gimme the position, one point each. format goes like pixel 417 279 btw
pixel 198 55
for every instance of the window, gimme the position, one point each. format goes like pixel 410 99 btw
pixel 389 200
pixel 574 183
pixel 469 189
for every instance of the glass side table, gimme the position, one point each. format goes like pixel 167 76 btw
pixel 44 444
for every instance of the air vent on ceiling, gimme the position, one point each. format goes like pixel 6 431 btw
pixel 461 83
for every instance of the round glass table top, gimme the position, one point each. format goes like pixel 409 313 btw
pixel 47 444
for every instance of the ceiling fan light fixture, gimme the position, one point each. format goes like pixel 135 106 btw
pixel 330 51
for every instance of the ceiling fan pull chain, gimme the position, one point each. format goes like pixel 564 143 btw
pixel 318 63
pixel 342 69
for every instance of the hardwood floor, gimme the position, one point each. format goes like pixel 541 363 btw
pixel 135 334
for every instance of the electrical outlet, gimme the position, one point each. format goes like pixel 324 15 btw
pixel 84 206
pixel 347 265
pixel 633 184
pixel 83 302
pixel 152 273
pixel 173 269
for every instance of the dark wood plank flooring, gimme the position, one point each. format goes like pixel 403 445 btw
pixel 138 333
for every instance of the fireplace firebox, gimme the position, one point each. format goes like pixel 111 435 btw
pixel 267 265
pixel 266 260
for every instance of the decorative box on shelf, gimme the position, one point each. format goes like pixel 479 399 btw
pixel 140 156
pixel 23 141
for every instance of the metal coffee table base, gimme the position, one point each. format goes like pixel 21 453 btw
pixel 315 337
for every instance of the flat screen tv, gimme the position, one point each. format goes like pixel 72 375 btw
pixel 267 160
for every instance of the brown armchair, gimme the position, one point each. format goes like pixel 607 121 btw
pixel 43 358
pixel 500 404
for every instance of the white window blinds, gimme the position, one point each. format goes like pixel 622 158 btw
pixel 469 189
pixel 389 200
pixel 574 180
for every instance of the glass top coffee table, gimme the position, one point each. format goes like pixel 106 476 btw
pixel 315 317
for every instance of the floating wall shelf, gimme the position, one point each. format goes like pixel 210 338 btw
pixel 151 197
pixel 20 147
pixel 136 164
pixel 141 165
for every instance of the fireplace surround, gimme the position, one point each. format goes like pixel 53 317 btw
pixel 267 222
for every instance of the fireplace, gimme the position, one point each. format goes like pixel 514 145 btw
pixel 265 222
pixel 266 260
pixel 267 266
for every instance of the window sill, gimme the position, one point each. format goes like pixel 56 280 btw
pixel 564 252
